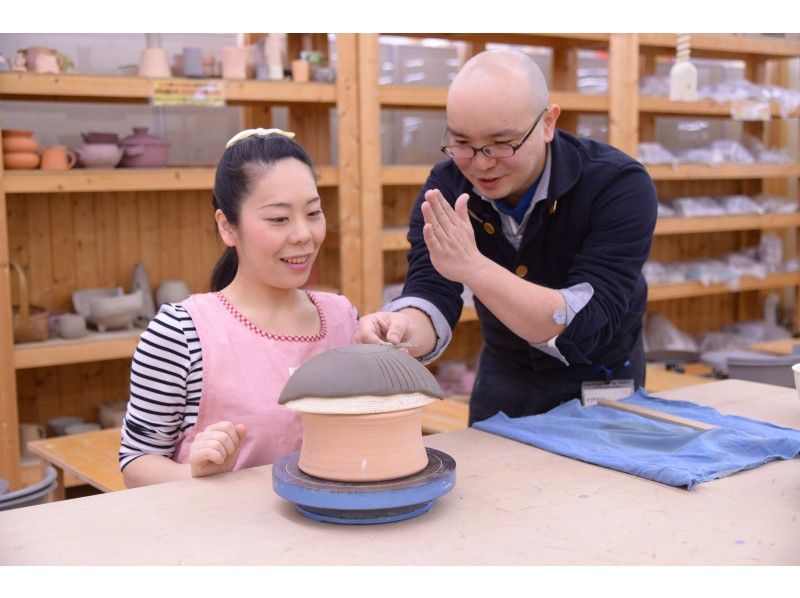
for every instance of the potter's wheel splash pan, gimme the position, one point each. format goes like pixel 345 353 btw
pixel 364 502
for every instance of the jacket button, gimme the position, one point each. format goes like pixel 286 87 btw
pixel 488 227
pixel 522 270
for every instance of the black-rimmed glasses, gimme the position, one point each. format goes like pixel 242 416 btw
pixel 493 150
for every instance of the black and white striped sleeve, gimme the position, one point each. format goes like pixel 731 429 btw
pixel 166 380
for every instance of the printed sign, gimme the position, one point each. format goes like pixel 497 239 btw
pixel 184 92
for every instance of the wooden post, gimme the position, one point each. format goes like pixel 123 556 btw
pixel 9 430
pixel 565 78
pixel 351 248
pixel 623 92
pixel 371 190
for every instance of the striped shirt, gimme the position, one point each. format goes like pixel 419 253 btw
pixel 166 380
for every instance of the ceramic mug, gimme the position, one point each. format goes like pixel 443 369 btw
pixel 58 157
pixel 59 425
pixel 27 433
pixel 71 326
pixel 193 62
pixel 301 71
pixel 234 62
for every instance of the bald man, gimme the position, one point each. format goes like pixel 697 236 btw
pixel 549 231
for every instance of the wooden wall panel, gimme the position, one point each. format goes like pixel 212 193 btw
pixel 67 242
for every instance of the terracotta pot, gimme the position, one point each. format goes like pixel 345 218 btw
pixel 144 151
pixel 17 160
pixel 153 62
pixel 20 144
pixel 363 448
pixel 16 133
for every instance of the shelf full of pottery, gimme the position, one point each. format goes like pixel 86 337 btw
pixel 100 150
pixel 265 60
pixel 106 322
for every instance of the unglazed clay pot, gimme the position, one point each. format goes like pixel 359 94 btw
pixel 143 150
pixel 20 144
pixel 361 409
pixel 363 448
pixel 18 160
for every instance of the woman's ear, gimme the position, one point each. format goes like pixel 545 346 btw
pixel 226 230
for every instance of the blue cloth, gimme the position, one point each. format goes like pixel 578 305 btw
pixel 655 450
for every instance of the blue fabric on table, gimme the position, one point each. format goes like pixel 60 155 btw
pixel 655 450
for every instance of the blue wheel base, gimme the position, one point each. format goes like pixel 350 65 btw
pixel 363 503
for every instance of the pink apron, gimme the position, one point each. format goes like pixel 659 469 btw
pixel 245 369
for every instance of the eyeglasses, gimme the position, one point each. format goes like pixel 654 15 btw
pixel 250 132
pixel 493 150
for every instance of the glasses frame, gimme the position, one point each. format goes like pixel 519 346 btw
pixel 475 150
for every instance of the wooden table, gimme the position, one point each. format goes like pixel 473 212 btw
pixel 452 414
pixel 91 457
pixel 512 504
pixel 784 346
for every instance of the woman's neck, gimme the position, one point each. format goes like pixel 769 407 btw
pixel 273 310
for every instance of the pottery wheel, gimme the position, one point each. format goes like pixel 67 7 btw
pixel 364 502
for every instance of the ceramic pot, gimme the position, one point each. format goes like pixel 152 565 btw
pixel 59 424
pixel 144 151
pixel 363 448
pixel 301 71
pixel 153 63
pixel 58 157
pixel 47 63
pixel 18 160
pixel 140 281
pixel 16 133
pixel 33 53
pixel 114 312
pixel 20 144
pixel 99 155
pixel 81 300
pixel 234 62
pixel 171 291
pixel 193 62
pixel 81 428
pixel 71 326
pixel 112 414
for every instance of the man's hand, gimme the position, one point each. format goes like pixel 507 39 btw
pixel 449 236
pixel 215 449
pixel 383 327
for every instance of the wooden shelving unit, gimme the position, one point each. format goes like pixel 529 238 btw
pixel 87 227
pixel 630 119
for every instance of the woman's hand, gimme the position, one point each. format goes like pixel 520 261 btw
pixel 215 449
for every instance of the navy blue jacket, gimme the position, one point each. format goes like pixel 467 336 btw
pixel 595 226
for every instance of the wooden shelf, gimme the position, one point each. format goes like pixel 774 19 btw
pixel 171 178
pixel 468 314
pixel 551 40
pixel 394 239
pixel 110 88
pixel 682 290
pixel 405 175
pixel 716 45
pixel 667 172
pixel 418 96
pixel 94 347
pixel 663 105
pixel 709 224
